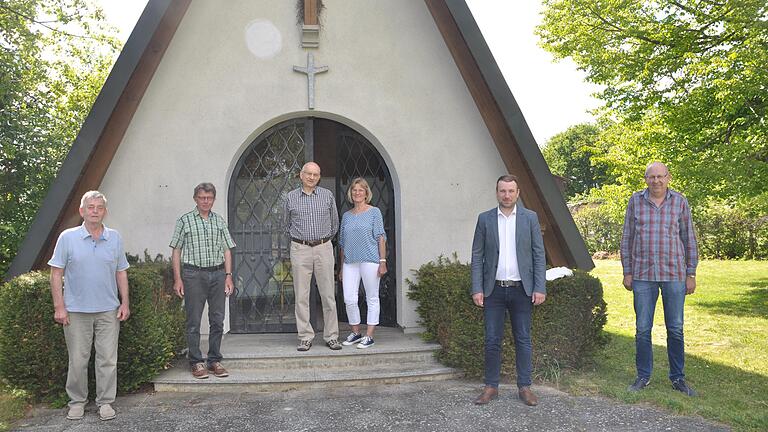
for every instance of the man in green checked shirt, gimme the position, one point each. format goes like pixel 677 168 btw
pixel 202 271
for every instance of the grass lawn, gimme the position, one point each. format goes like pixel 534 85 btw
pixel 726 342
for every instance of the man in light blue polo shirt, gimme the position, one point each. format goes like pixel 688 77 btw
pixel 91 260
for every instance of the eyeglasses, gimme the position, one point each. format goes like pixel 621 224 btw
pixel 656 177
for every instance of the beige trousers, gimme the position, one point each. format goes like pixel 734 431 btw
pixel 101 329
pixel 319 260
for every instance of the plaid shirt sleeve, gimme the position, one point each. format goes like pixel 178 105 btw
pixel 627 237
pixel 227 236
pixel 688 237
pixel 177 240
pixel 286 216
pixel 334 216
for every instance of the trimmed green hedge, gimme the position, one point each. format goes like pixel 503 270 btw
pixel 724 230
pixel 33 353
pixel 566 329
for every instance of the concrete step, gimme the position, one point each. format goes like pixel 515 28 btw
pixel 346 359
pixel 260 380
pixel 270 362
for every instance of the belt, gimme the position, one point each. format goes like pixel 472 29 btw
pixel 208 269
pixel 508 283
pixel 311 243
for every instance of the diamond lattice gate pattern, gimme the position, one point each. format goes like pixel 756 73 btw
pixel 264 296
pixel 356 157
pixel 264 301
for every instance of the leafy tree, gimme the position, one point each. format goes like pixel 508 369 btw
pixel 54 58
pixel 685 82
pixel 570 154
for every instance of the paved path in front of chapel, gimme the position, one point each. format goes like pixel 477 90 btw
pixel 433 406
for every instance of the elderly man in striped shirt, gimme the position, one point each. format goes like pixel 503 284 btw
pixel 659 252
pixel 311 220
pixel 202 271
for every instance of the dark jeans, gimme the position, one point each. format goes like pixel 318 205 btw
pixel 201 286
pixel 645 294
pixel 518 303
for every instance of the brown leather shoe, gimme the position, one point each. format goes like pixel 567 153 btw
pixel 527 396
pixel 489 393
pixel 199 371
pixel 218 370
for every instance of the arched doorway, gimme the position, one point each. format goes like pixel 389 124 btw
pixel 263 301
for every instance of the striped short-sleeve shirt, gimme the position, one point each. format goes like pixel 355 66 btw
pixel 659 243
pixel 202 241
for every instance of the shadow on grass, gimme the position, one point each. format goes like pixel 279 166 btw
pixel 750 303
pixel 726 393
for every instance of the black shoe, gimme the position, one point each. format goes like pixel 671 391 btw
pixel 639 384
pixel 680 385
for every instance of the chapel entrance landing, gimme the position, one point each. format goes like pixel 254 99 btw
pixel 264 299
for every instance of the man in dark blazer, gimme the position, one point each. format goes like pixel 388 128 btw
pixel 508 274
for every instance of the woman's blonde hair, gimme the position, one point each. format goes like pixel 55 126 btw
pixel 360 181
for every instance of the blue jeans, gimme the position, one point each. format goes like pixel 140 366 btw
pixel 200 287
pixel 518 303
pixel 673 298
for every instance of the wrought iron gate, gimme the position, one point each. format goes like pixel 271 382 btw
pixel 356 157
pixel 264 301
pixel 264 297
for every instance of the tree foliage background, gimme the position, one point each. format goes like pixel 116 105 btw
pixel 575 155
pixel 54 58
pixel 684 82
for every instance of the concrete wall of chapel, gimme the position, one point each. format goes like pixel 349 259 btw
pixel 390 76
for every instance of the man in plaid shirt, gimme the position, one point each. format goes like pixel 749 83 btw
pixel 202 273
pixel 659 253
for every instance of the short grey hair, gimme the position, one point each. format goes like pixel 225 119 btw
pixel 92 195
pixel 205 187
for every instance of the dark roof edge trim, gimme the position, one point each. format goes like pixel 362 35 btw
pixel 85 143
pixel 513 116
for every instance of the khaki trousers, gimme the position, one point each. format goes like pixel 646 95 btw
pixel 319 260
pixel 102 329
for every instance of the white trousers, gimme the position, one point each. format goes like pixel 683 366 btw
pixel 351 276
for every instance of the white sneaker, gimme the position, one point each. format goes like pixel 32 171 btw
pixel 106 412
pixel 365 342
pixel 76 412
pixel 352 339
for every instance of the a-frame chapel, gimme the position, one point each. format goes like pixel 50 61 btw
pixel 241 93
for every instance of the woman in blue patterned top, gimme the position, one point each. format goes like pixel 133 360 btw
pixel 363 250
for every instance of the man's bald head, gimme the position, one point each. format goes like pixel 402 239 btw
pixel 657 178
pixel 310 176
pixel 655 166
pixel 312 166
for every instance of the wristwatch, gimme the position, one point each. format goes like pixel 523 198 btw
pixel 228 274
pixel 692 276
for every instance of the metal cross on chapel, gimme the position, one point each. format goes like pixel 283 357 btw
pixel 311 71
